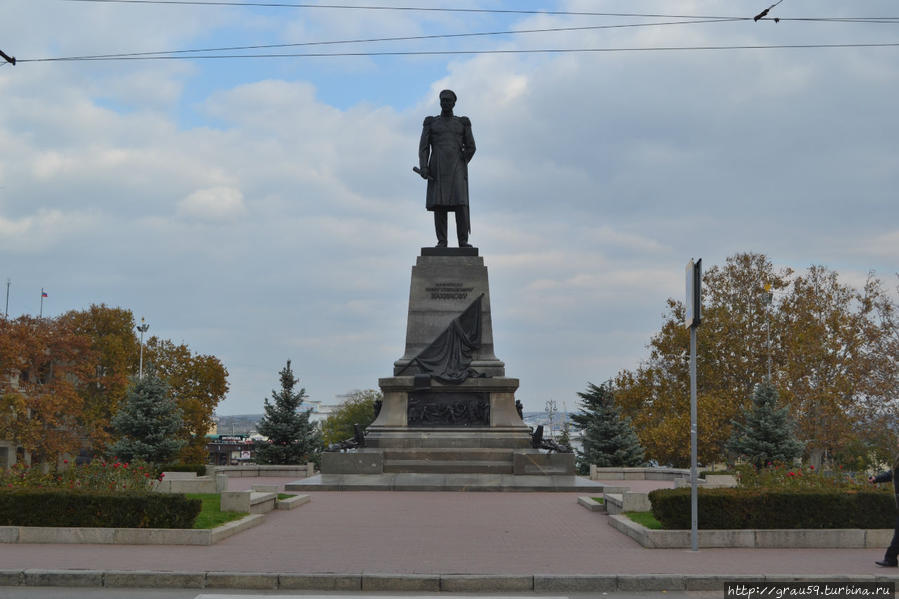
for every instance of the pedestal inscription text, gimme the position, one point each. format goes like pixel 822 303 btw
pixel 449 291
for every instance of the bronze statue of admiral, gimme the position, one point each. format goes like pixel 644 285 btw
pixel 445 149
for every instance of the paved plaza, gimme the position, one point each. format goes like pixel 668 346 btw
pixel 441 533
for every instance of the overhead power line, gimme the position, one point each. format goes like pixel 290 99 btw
pixel 219 3
pixel 404 38
pixel 397 8
pixel 470 52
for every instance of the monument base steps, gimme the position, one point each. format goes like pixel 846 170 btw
pixel 449 461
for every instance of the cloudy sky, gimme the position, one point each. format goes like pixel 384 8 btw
pixel 261 209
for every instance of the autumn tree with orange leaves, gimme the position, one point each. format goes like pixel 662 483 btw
pixel 112 337
pixel 63 379
pixel 833 362
pixel 197 382
pixel 43 365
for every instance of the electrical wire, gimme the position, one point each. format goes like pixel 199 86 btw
pixel 836 19
pixel 472 52
pixel 397 8
pixel 405 38
pixel 480 10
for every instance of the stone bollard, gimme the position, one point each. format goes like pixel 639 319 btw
pixel 221 482
pixel 593 475
pixel 310 469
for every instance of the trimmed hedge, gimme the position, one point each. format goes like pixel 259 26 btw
pixel 122 509
pixel 764 509
pixel 200 469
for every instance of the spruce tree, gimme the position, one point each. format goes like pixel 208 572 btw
pixel 565 435
pixel 767 432
pixel 292 439
pixel 147 423
pixel 608 438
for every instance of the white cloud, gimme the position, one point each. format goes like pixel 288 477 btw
pixel 43 230
pixel 213 204
pixel 596 177
pixel 885 245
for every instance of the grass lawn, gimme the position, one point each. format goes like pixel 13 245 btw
pixel 283 496
pixel 599 499
pixel 211 516
pixel 644 518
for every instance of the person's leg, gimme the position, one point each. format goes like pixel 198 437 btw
pixel 440 223
pixel 892 552
pixel 462 226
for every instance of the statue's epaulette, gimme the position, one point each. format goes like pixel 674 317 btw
pixel 428 120
pixel 465 121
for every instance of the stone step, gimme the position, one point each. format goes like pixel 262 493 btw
pixel 449 466
pixel 446 454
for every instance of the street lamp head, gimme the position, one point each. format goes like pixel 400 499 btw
pixel 144 327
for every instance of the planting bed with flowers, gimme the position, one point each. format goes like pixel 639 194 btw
pixel 112 475
pixel 101 494
pixel 781 497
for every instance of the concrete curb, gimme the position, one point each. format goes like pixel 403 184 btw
pixel 292 503
pixel 456 583
pixel 126 536
pixel 429 583
pixel 591 504
pixel 145 578
pixel 800 538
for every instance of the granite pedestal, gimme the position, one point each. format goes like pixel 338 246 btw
pixel 431 427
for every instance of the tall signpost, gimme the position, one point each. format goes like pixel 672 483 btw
pixel 692 321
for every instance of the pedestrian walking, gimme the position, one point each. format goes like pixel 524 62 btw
pixel 890 557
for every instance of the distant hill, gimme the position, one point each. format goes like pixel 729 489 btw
pixel 241 424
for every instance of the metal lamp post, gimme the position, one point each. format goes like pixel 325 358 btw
pixel 767 298
pixel 144 326
pixel 693 318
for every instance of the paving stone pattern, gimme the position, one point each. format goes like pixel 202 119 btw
pixel 446 533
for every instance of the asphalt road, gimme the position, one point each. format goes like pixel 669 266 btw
pixel 69 593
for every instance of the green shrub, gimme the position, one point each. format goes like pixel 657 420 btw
pixel 121 509
pixel 200 469
pixel 766 509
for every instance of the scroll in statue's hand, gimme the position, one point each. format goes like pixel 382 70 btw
pixel 423 172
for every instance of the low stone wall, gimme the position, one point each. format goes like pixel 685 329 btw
pixel 627 502
pixel 591 504
pixel 252 502
pixel 597 473
pixel 126 536
pixel 299 471
pixel 843 538
pixel 292 503
pixel 711 481
pixel 189 482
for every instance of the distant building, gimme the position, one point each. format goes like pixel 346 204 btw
pixel 229 450
pixel 320 411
